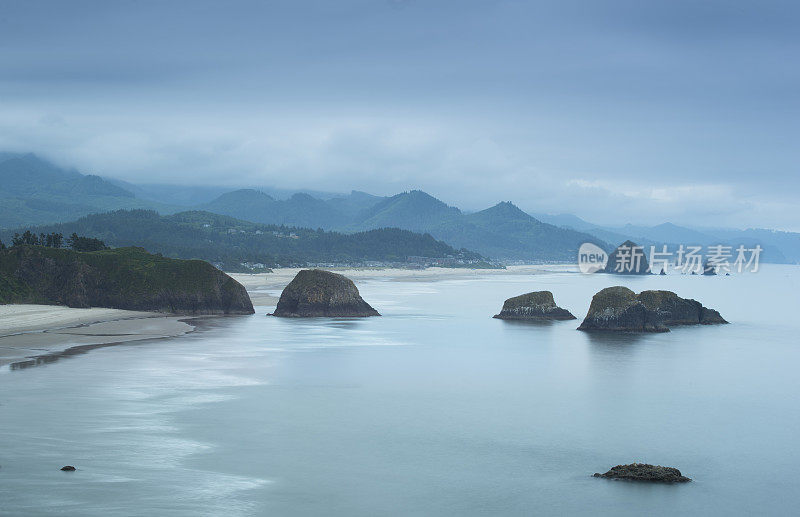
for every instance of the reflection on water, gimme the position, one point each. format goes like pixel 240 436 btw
pixel 620 340
pixel 434 408
pixel 529 323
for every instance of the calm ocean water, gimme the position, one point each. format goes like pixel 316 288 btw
pixel 433 409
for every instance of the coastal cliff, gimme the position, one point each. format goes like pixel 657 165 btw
pixel 318 293
pixel 620 309
pixel 538 305
pixel 121 278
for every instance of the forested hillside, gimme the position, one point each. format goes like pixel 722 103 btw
pixel 234 245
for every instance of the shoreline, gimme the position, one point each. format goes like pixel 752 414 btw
pixel 31 333
pixel 37 334
pixel 265 288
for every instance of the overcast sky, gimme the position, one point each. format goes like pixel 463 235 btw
pixel 616 111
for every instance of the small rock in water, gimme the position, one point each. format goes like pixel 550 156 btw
pixel 538 305
pixel 645 472
pixel 68 468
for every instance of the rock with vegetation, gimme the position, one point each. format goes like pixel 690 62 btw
pixel 628 259
pixel 645 472
pixel 317 293
pixel 620 309
pixel 121 278
pixel 675 310
pixel 538 305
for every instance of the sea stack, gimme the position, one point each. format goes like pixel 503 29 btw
pixel 628 259
pixel 317 293
pixel 675 310
pixel 709 269
pixel 620 309
pixel 645 472
pixel 538 305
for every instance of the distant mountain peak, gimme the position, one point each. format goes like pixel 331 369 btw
pixel 24 175
pixel 248 194
pixel 507 210
pixel 419 194
pixel 302 196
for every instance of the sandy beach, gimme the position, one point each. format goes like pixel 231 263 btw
pixel 265 288
pixel 29 331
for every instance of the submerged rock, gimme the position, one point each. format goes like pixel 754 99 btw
pixel 538 305
pixel 620 309
pixel 628 259
pixel 318 293
pixel 645 472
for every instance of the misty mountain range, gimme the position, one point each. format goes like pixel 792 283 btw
pixel 36 192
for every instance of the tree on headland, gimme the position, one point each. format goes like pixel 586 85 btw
pixel 54 240
pixel 2 246
pixel 28 238
pixel 85 243
pixel 51 240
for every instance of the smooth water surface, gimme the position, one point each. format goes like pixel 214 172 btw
pixel 433 409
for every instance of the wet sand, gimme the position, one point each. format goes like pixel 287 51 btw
pixel 28 331
pixel 39 331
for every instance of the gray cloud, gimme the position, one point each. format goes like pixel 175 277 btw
pixel 615 111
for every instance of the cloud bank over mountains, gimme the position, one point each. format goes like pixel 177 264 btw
pixel 616 112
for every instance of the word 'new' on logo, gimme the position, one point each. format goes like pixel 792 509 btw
pixel 591 258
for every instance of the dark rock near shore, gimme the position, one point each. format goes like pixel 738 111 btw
pixel 120 278
pixel 68 468
pixel 628 259
pixel 317 293
pixel 645 472
pixel 538 305
pixel 675 310
pixel 620 309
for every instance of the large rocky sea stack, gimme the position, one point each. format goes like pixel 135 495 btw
pixel 121 278
pixel 538 305
pixel 620 309
pixel 628 259
pixel 645 472
pixel 317 293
